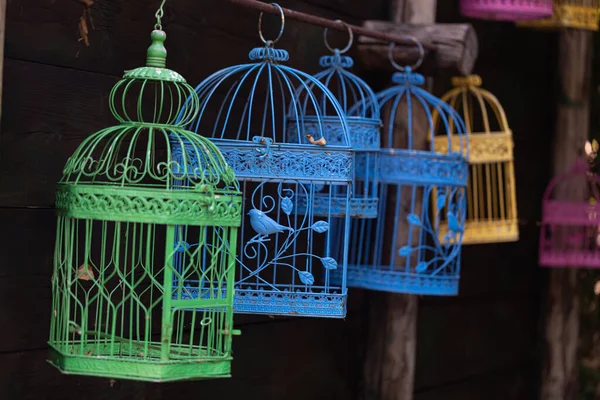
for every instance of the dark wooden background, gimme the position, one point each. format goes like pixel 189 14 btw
pixel 480 345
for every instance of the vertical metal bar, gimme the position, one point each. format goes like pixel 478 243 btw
pixel 166 327
pixel 502 199
pixel 488 192
pixel 230 293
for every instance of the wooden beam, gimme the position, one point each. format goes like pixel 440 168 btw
pixel 389 368
pixel 457 47
pixel 559 371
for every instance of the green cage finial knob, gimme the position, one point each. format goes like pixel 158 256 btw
pixel 157 52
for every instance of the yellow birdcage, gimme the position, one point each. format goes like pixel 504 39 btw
pixel 491 199
pixel 578 14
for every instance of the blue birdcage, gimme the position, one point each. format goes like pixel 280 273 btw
pixel 401 250
pixel 362 117
pixel 285 257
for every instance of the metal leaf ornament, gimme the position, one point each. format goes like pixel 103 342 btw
pixel 421 267
pixel 441 201
pixel 414 219
pixel 320 227
pixel 306 277
pixel 287 206
pixel 329 262
pixel 405 251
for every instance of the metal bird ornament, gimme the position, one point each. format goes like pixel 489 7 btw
pixel 320 142
pixel 453 224
pixel 265 225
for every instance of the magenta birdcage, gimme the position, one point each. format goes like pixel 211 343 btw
pixel 506 10
pixel 570 229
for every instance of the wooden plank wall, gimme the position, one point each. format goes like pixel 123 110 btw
pixel 479 345
pixel 56 95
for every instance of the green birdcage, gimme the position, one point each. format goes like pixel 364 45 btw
pixel 131 197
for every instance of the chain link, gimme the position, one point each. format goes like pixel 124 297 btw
pixel 159 14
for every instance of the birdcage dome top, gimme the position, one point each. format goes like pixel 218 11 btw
pixel 146 148
pixel 578 184
pixel 354 95
pixel 402 160
pixel 140 170
pixel 258 102
pixel 406 98
pixel 481 110
pixel 153 93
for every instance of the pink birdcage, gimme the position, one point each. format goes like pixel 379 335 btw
pixel 570 229
pixel 506 10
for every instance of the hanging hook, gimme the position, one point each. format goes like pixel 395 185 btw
pixel 267 142
pixel 271 42
pixel 415 65
pixel 159 14
pixel 350 38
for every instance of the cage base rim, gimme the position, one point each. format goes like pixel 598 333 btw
pixel 484 232
pixel 370 278
pixel 572 259
pixel 139 371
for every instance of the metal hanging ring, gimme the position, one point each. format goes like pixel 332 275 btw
pixel 350 38
pixel 265 41
pixel 415 65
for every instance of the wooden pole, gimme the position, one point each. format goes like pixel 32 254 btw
pixel 456 51
pixel 389 368
pixel 559 372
